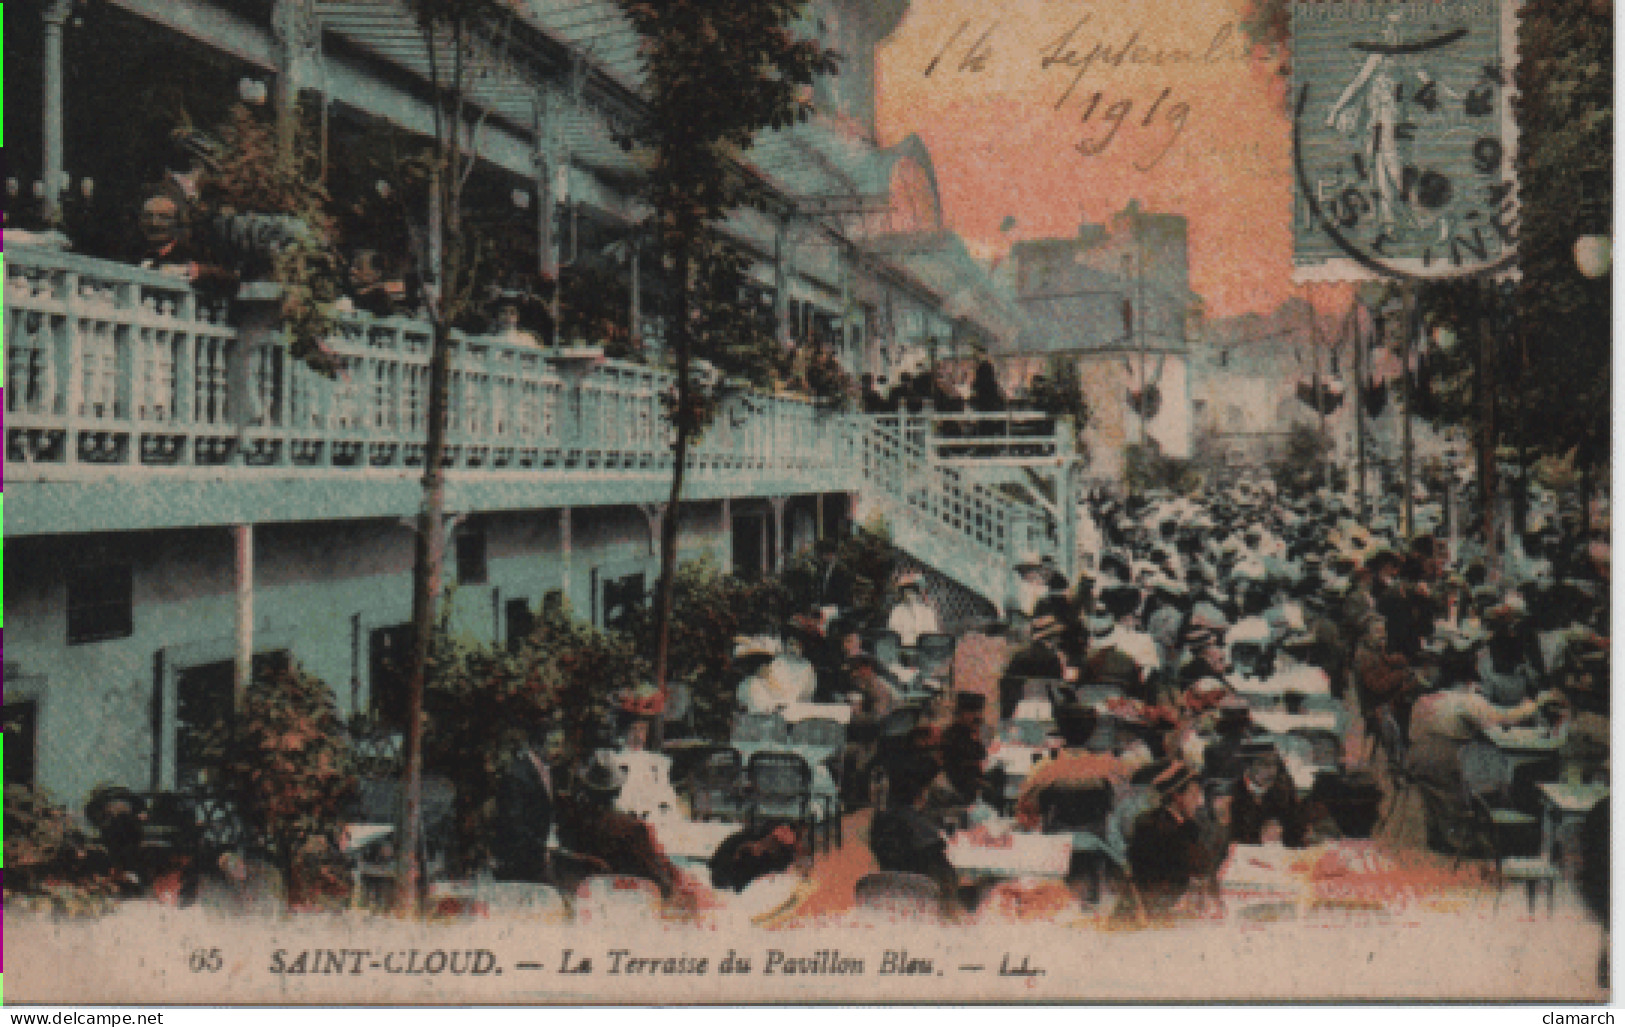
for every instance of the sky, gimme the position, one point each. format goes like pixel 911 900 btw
pixel 1056 112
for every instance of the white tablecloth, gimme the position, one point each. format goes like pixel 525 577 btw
pixel 794 712
pixel 693 841
pixel 1017 760
pixel 1286 723
pixel 359 836
pixel 1027 855
pixel 1524 739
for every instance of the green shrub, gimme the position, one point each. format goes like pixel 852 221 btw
pixel 288 763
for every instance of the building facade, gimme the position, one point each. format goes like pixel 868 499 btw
pixel 186 495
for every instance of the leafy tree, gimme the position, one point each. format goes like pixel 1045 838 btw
pixel 449 266
pixel 1302 466
pixel 717 72
pixel 1561 364
pixel 483 703
pixel 710 609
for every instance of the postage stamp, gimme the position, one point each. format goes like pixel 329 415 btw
pixel 1404 140
pixel 522 502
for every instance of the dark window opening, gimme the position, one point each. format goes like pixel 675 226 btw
pixel 471 568
pixel 623 597
pixel 19 721
pixel 390 667
pixel 521 622
pixel 206 714
pixel 203 715
pixel 100 603
pixel 750 547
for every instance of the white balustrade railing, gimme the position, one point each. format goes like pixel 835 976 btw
pixel 1017 437
pixel 972 533
pixel 110 365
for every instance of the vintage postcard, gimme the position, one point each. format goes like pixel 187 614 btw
pixel 524 502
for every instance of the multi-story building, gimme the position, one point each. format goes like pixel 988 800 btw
pixel 1116 299
pixel 184 494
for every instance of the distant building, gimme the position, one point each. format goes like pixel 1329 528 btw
pixel 1252 384
pixel 1105 297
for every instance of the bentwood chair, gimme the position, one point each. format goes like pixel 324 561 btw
pixel 826 735
pixel 1081 811
pixel 781 790
pixel 1502 828
pixel 719 785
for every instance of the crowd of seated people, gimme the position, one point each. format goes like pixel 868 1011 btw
pixel 1149 672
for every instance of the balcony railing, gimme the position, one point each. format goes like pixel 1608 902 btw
pixel 974 534
pixel 110 366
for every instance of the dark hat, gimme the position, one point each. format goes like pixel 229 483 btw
pixel 1075 723
pixel 1121 600
pixel 1233 709
pixel 601 775
pixel 970 702
pixel 1381 557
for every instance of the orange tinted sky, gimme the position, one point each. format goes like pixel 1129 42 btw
pixel 1005 142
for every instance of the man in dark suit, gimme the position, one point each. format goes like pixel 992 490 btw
pixel 524 815
pixel 903 837
pixel 1263 797
pixel 1038 659
pixel 1166 851
pixel 834 580
pixel 964 757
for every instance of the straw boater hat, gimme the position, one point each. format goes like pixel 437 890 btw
pixel 1046 626
pixel 1172 780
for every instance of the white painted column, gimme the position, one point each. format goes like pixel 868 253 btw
pixel 565 528
pixel 727 535
pixel 635 314
pixel 243 578
pixel 777 502
pixel 56 16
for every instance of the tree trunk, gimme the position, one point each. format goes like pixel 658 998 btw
pixel 426 571
pixel 1487 468
pixel 683 422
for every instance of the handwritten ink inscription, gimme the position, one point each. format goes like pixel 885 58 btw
pixel 1081 58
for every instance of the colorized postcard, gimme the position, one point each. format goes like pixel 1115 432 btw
pixel 532 502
